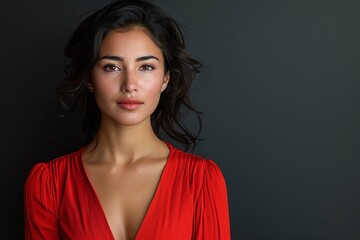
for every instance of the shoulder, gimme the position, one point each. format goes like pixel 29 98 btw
pixel 201 171
pixel 187 160
pixel 193 161
pixel 65 162
pixel 47 173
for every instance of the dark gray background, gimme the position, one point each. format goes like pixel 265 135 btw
pixel 280 92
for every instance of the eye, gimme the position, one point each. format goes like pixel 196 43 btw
pixel 146 68
pixel 111 68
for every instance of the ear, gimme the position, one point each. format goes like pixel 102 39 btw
pixel 90 86
pixel 166 81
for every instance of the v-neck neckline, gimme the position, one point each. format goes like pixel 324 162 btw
pixel 150 207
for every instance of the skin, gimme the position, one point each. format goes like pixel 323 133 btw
pixel 126 165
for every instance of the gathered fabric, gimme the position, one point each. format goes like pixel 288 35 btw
pixel 190 202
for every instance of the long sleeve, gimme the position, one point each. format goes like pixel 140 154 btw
pixel 40 214
pixel 211 211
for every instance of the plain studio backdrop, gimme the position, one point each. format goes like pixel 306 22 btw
pixel 280 91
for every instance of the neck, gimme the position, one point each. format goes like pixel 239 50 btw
pixel 125 144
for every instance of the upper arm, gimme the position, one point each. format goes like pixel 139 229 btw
pixel 211 210
pixel 40 214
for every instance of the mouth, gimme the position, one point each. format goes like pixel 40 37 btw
pixel 130 104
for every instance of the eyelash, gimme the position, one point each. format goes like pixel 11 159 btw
pixel 147 67
pixel 113 68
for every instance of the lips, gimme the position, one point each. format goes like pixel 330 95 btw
pixel 130 104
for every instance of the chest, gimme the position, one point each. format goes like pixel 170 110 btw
pixel 125 196
pixel 127 207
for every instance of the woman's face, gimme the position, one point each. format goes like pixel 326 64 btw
pixel 128 77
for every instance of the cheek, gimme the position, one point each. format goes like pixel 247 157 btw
pixel 107 88
pixel 154 90
pixel 104 85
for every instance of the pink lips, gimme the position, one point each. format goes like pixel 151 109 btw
pixel 130 104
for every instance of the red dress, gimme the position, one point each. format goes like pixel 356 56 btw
pixel 190 202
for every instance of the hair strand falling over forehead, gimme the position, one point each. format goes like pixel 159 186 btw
pixel 82 52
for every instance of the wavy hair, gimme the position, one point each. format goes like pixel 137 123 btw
pixel 82 51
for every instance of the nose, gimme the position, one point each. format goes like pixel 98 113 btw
pixel 129 83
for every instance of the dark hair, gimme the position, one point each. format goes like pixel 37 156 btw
pixel 82 51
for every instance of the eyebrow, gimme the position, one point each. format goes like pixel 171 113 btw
pixel 120 59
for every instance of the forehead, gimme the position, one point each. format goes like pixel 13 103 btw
pixel 129 41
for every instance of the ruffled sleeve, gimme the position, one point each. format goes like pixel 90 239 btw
pixel 211 211
pixel 40 204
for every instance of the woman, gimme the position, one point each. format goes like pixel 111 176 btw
pixel 130 73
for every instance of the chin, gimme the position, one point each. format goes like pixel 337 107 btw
pixel 132 121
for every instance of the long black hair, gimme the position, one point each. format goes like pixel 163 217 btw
pixel 82 52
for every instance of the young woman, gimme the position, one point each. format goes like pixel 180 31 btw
pixel 131 75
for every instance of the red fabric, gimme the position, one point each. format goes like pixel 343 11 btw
pixel 190 202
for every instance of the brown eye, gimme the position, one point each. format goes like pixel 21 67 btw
pixel 146 68
pixel 111 68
